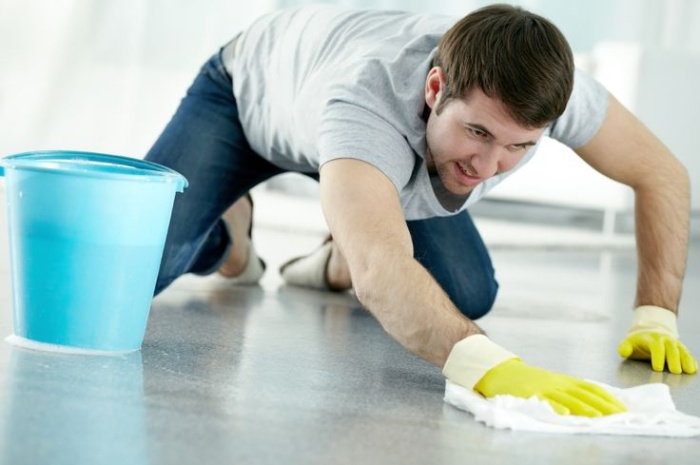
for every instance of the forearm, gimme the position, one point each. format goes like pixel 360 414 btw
pixel 662 221
pixel 365 217
pixel 411 307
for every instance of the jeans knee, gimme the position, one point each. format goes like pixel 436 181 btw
pixel 476 300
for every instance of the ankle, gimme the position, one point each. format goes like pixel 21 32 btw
pixel 238 219
pixel 233 266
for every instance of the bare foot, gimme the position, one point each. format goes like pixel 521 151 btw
pixel 238 217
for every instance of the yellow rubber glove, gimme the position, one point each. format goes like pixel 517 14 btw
pixel 479 364
pixel 566 394
pixel 654 336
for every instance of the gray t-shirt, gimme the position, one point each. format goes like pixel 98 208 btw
pixel 322 82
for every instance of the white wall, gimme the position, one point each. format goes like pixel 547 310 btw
pixel 104 75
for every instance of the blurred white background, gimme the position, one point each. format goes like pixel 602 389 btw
pixel 105 75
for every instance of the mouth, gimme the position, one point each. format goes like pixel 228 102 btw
pixel 466 174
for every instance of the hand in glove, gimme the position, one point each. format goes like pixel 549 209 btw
pixel 479 364
pixel 654 336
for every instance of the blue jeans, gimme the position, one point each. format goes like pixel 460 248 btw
pixel 205 142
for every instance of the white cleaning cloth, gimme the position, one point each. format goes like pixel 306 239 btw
pixel 651 412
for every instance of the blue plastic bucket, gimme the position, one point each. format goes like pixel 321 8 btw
pixel 86 238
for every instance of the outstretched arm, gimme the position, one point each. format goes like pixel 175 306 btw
pixel 362 208
pixel 626 151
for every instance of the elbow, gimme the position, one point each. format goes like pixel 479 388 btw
pixel 374 271
pixel 679 175
pixel 374 281
pixel 673 177
pixel 679 181
pixel 365 285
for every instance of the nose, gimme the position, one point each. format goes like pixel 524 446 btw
pixel 487 161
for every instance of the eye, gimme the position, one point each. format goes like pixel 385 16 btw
pixel 478 133
pixel 519 147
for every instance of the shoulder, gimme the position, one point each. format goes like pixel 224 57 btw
pixel 584 113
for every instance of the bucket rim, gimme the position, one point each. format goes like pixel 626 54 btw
pixel 31 161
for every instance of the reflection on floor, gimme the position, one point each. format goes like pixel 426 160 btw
pixel 271 374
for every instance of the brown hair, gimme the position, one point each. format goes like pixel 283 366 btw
pixel 511 54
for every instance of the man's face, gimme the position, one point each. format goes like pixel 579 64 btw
pixel 471 139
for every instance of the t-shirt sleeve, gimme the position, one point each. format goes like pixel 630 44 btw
pixel 348 130
pixel 584 114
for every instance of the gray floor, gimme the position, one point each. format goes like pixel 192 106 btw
pixel 271 374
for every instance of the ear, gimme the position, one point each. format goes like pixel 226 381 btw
pixel 433 86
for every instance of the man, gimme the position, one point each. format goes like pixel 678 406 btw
pixel 407 120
